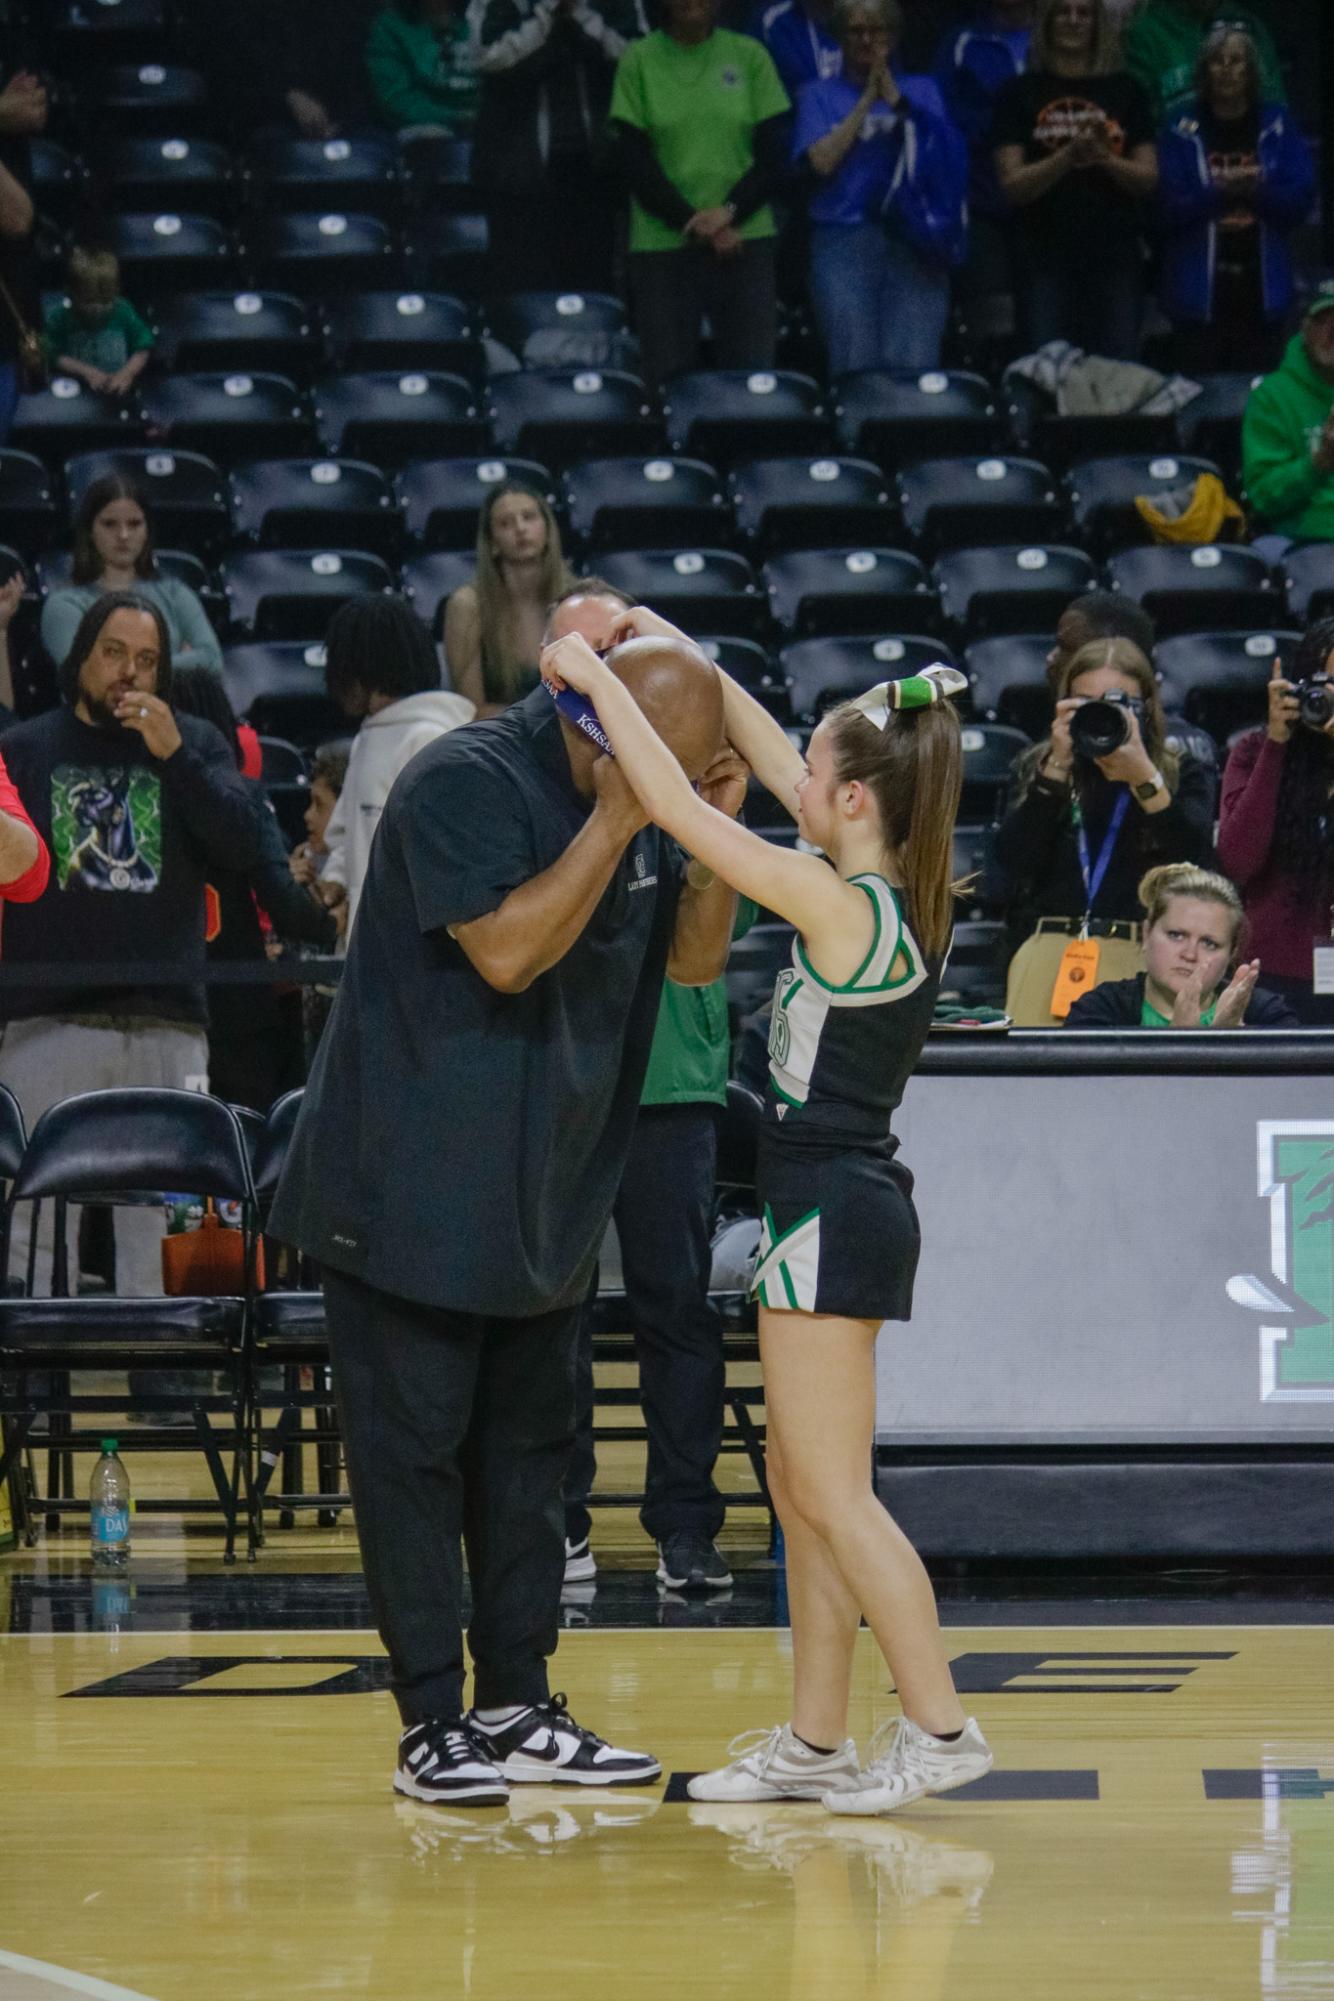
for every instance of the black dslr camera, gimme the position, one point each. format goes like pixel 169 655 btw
pixel 1315 701
pixel 1098 728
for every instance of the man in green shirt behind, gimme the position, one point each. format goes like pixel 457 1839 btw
pixel 420 70
pixel 1162 47
pixel 1287 435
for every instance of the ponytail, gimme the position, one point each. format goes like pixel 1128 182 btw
pixel 913 768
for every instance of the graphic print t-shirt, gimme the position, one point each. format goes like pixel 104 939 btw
pixel 1084 216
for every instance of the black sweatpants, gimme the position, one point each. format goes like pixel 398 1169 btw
pixel 662 1216
pixel 457 1430
pixel 675 291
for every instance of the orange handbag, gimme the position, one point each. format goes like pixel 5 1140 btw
pixel 208 1262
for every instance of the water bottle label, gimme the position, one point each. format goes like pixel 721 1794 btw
pixel 111 1524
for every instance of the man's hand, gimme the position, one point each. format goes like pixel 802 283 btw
pixel 1236 996
pixel 723 785
pixel 11 597
pixel 150 718
pixel 121 383
pixel 1284 714
pixel 616 801
pixel 311 119
pixel 23 106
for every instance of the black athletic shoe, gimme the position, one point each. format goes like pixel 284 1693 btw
pixel 691 1562
pixel 546 1747
pixel 444 1763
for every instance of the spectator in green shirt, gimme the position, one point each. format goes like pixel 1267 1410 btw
pixel 421 75
pixel 1162 50
pixel 699 119
pixel 98 336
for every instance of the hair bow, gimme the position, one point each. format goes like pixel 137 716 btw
pixel 916 691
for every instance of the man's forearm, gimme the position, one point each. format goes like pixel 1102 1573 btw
pixel 705 918
pixel 538 922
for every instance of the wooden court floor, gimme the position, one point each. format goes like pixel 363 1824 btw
pixel 207 1816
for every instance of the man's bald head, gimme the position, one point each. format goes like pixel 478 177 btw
pixel 678 689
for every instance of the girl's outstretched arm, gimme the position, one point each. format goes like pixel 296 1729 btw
pixel 805 891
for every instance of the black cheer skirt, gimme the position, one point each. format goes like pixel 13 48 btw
pixel 838 1230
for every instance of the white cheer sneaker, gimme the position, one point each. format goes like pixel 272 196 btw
pixel 912 1764
pixel 776 1765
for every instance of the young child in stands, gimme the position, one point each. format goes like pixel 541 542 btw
pixel 328 769
pixel 877 792
pixel 98 337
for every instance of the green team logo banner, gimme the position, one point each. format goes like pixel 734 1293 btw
pixel 1296 1296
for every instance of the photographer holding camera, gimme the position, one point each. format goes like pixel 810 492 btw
pixel 1100 801
pixel 1275 830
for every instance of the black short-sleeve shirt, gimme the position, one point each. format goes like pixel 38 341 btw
pixel 460 1146
pixel 1083 216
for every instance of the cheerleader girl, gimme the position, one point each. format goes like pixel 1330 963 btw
pixel 877 792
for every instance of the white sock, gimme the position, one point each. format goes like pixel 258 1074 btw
pixel 494 1718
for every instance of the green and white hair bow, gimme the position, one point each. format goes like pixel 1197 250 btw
pixel 916 691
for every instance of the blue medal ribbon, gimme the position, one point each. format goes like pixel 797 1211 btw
pixel 1093 875
pixel 577 709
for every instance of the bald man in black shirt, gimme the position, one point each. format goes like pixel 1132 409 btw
pixel 457 1157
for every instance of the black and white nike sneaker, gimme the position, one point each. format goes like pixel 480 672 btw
pixel 444 1763
pixel 544 1746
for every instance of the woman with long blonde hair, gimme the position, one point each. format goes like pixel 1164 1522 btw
pixel 494 626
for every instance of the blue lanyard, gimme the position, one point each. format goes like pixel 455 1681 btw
pixel 1093 876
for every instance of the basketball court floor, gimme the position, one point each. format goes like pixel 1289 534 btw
pixel 197 1804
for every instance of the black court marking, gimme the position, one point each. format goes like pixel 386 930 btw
pixel 1297 1782
pixel 1012 1786
pixel 188 1674
pixel 1139 1672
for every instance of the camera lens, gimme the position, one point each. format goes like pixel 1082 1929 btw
pixel 1315 703
pixel 1099 728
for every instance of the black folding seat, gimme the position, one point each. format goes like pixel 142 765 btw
pixel 59 182
pixel 895 417
pixel 558 415
pixel 727 415
pixel 974 974
pixel 431 579
pixel 170 253
pixel 751 665
pixel 439 170
pixel 447 252
pixel 628 503
pixel 956 503
pixel 316 504
pixel 813 591
pixel 1308 577
pixel 146 98
pixel 989 752
pixel 111 30
pixel 403 330
pixel 1222 676
pixel 1010 588
pixel 1203 589
pixel 229 417
pixel 441 499
pixel 60 421
pixel 363 175
pixel 55 568
pixel 514 317
pixel 29 517
pixel 321 256
pixel 823 672
pixel 185 491
pixel 293 593
pixel 234 332
pixel 281 762
pixel 174 176
pixel 1037 427
pixel 1008 677
pixel 278 686
pixel 1211 422
pixel 390 418
pixel 974 865
pixel 1103 492
pixel 702 590
pixel 796 503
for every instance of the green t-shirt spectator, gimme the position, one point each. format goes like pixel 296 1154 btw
pixel 692 1047
pixel 420 72
pixel 1162 46
pixel 106 344
pixel 698 107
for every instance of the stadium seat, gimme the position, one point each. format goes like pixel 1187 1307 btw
pixel 55 568
pixel 822 672
pixel 29 517
pixel 66 418
pixel 754 963
pixel 169 252
pixel 123 29
pixel 1010 588
pixel 726 415
pixel 797 503
pixel 1308 577
pixel 628 503
pixel 146 98
pixel 1204 589
pixel 447 252
pixel 230 332
pixel 313 503
pixel 975 971
pixel 185 491
pixel 1038 428
pixel 1222 676
pixel 1008 677
pixel 403 330
pixel 439 170
pixel 278 686
pixel 815 591
pixel 752 666
pixel 955 503
pixel 974 865
pixel 59 182
pixel 363 174
pixel 431 579
pixel 229 417
pixel 1211 422
pixel 390 418
pixel 514 317
pixel 558 415
pixel 293 593
pixel 1102 495
pixel 441 499
pixel 895 418
pixel 701 590
pixel 155 175
pixel 989 752
pixel 283 763
pixel 320 256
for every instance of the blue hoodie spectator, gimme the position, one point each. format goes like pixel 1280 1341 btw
pixel 799 39
pixel 972 66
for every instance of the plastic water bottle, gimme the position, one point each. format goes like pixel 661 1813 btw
pixel 109 1510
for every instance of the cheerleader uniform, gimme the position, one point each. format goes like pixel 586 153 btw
pixel 839 1232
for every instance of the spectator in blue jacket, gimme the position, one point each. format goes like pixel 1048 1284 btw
pixel 973 63
pixel 1236 178
pixel 887 210
pixel 799 35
